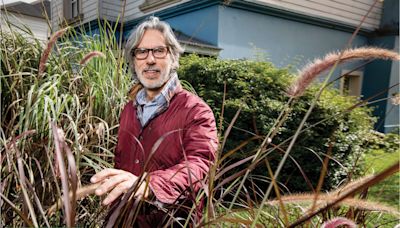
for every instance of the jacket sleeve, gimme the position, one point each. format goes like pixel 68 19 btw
pixel 200 143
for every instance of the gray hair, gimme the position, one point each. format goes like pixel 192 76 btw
pixel 136 36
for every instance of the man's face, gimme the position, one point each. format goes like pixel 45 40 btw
pixel 153 72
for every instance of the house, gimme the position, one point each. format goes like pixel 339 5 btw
pixel 34 16
pixel 284 31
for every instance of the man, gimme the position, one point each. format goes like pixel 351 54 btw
pixel 165 131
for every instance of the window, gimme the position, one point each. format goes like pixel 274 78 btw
pixel 75 8
pixel 72 10
pixel 350 83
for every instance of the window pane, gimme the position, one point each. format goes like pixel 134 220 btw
pixel 74 8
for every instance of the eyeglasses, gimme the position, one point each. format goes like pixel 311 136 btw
pixel 142 53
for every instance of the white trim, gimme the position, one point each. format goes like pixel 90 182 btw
pixel 199 49
pixel 392 125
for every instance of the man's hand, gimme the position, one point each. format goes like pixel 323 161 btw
pixel 117 182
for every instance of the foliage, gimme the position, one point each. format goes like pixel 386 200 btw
pixel 84 100
pixel 259 89
pixel 389 142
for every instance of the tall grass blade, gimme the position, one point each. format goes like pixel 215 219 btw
pixel 64 176
pixel 20 213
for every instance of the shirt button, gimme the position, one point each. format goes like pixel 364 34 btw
pixel 136 161
pixel 141 138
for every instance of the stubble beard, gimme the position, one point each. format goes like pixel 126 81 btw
pixel 154 84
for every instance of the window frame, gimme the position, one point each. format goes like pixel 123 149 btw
pixel 69 8
pixel 353 90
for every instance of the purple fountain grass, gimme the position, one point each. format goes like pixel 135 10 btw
pixel 324 199
pixel 69 180
pixel 27 204
pixel 56 162
pixel 91 55
pixel 80 194
pixel 350 193
pixel 312 70
pixel 352 185
pixel 49 47
pixel 338 221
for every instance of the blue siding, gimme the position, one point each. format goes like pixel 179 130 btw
pixel 199 22
pixel 383 74
pixel 377 80
pixel 390 17
pixel 393 111
pixel 202 24
pixel 244 34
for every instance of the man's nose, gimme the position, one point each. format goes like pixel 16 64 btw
pixel 150 58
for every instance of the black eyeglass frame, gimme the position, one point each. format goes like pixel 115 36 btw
pixel 147 51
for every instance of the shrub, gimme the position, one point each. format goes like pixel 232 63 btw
pixel 258 88
pixel 389 142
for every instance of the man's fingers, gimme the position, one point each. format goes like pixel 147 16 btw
pixel 114 182
pixel 104 174
pixel 119 189
pixel 111 183
pixel 143 190
pixel 113 195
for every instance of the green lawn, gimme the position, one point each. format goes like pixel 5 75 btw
pixel 388 190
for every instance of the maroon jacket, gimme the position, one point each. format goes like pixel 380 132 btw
pixel 182 140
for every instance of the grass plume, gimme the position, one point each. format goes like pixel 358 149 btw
pixel 366 184
pixel 46 52
pixel 339 221
pixel 324 199
pixel 308 74
pixel 91 55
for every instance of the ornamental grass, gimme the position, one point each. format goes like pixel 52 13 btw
pixel 60 106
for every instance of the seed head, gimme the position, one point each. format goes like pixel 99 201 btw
pixel 91 55
pixel 338 221
pixel 311 71
pixel 49 47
